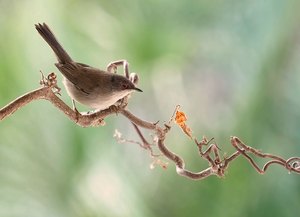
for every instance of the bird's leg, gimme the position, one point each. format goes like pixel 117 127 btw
pixel 74 106
pixel 75 109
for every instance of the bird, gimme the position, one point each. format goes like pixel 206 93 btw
pixel 95 88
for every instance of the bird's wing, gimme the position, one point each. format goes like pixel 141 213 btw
pixel 83 76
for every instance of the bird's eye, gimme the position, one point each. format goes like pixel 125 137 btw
pixel 124 86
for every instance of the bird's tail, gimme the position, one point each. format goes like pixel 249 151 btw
pixel 48 36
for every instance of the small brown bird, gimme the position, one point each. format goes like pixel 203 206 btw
pixel 89 86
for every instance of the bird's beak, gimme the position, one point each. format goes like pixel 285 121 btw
pixel 137 89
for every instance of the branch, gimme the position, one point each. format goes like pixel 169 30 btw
pixel 49 92
pixel 217 164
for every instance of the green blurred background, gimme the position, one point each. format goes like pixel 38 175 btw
pixel 232 65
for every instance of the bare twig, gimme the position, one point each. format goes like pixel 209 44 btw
pixel 291 164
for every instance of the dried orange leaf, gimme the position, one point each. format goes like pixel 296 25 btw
pixel 180 119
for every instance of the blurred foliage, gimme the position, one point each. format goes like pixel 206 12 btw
pixel 232 65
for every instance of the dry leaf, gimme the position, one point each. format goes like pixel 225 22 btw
pixel 180 119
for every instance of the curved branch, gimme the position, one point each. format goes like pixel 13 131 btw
pixel 292 164
pixel 180 165
pixel 22 101
pixel 138 121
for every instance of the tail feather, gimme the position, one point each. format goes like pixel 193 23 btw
pixel 48 36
